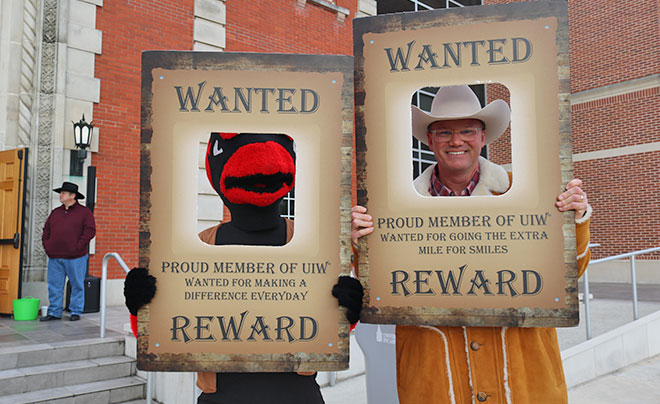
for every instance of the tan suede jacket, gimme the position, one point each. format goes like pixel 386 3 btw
pixel 484 364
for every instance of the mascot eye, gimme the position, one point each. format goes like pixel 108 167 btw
pixel 217 149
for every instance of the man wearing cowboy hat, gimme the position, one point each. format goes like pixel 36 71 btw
pixel 476 364
pixel 66 236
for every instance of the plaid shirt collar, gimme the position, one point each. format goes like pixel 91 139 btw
pixel 437 188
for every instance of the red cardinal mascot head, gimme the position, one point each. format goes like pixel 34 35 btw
pixel 251 172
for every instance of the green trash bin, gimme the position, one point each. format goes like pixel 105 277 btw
pixel 26 309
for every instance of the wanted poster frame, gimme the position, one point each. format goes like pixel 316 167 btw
pixel 507 260
pixel 243 308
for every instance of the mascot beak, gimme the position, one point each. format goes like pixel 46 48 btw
pixel 258 174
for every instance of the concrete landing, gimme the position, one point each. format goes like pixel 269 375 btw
pixel 634 384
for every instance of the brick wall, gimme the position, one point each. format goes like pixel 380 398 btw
pixel 622 190
pixel 610 41
pixel 128 29
pixel 287 27
pixel 500 150
pixel 624 194
pixel 613 42
pixel 624 120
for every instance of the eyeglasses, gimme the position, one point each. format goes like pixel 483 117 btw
pixel 443 135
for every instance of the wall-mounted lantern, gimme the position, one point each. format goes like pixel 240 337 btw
pixel 82 137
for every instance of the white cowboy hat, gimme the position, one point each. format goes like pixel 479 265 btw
pixel 459 102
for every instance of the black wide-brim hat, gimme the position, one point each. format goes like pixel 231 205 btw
pixel 70 187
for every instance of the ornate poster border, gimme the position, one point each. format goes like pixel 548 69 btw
pixel 267 63
pixel 407 22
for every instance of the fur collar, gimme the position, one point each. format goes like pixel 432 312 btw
pixel 492 178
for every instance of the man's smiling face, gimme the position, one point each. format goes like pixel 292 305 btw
pixel 456 145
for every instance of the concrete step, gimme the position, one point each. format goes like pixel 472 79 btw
pixel 31 378
pixel 99 392
pixel 58 352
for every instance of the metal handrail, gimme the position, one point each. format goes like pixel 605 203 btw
pixel 587 308
pixel 633 279
pixel 104 286
pixel 104 282
pixel 626 255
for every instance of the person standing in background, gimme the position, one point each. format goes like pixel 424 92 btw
pixel 66 236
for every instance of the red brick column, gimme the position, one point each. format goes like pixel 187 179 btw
pixel 128 28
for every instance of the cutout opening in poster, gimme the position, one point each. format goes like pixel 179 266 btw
pixel 252 172
pixel 439 139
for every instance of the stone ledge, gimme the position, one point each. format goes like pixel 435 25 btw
pixel 613 350
pixel 83 87
pixel 367 8
pixel 211 10
pixel 95 2
pixel 83 13
pixel 203 47
pixel 341 11
pixel 209 32
pixel 613 90
pixel 80 62
pixel 85 38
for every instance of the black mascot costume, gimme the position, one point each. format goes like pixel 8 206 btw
pixel 251 173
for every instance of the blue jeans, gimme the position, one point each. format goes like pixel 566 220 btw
pixel 75 269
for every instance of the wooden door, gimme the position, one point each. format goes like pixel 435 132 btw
pixel 12 194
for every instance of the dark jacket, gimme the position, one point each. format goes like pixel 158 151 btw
pixel 67 232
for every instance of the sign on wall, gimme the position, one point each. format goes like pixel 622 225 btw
pixel 244 307
pixel 506 260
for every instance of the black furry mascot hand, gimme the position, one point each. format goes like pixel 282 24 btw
pixel 139 289
pixel 349 293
